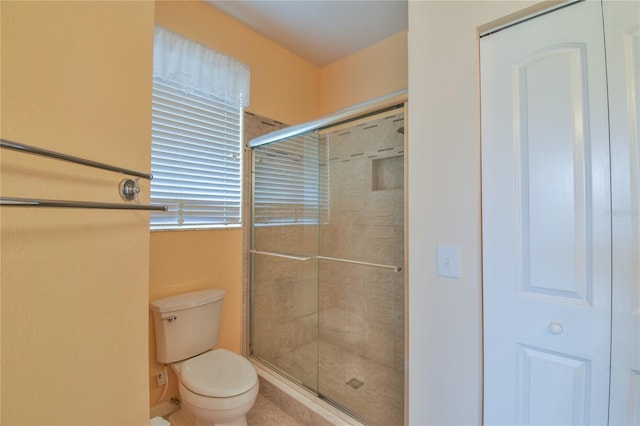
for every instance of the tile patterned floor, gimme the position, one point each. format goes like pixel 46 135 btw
pixel 266 413
pixel 263 413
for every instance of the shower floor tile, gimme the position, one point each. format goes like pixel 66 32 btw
pixel 379 399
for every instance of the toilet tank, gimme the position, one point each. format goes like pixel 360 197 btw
pixel 186 324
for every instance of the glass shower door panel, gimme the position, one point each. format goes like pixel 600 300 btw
pixel 361 348
pixel 361 352
pixel 284 314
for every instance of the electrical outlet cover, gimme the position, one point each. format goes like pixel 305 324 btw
pixel 448 261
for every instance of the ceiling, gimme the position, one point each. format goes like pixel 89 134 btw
pixel 320 31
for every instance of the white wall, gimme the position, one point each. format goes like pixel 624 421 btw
pixel 445 328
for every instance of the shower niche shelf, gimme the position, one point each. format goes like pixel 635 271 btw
pixel 388 173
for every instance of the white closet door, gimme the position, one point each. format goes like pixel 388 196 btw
pixel 546 221
pixel 622 34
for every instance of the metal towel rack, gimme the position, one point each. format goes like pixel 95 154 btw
pixel 28 202
pixel 128 188
pixel 27 149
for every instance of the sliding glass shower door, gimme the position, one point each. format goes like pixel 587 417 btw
pixel 284 273
pixel 327 263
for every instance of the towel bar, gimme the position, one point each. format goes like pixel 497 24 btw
pixel 30 202
pixel 28 149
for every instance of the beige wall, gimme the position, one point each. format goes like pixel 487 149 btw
pixel 372 72
pixel 445 318
pixel 75 78
pixel 283 86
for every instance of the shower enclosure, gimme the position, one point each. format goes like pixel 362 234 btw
pixel 327 290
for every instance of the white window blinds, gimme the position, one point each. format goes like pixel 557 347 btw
pixel 198 97
pixel 291 181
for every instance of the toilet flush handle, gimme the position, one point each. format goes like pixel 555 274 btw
pixel 172 318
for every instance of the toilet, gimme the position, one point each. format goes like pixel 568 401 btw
pixel 217 387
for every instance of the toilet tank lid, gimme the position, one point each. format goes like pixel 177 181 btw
pixel 191 299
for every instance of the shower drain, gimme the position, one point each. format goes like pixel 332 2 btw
pixel 355 383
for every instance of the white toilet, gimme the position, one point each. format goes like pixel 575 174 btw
pixel 217 387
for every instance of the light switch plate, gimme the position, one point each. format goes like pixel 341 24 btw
pixel 448 261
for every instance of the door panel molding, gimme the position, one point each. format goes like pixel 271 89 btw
pixel 558 268
pixel 545 378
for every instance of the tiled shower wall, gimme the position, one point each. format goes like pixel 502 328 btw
pixel 361 307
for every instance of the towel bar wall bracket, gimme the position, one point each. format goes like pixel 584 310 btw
pixel 129 190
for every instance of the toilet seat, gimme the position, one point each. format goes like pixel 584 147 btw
pixel 219 374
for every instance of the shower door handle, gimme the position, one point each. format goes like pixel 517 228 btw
pixel 282 255
pixel 394 268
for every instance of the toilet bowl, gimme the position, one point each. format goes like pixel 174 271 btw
pixel 217 388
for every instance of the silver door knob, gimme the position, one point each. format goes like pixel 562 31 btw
pixel 555 328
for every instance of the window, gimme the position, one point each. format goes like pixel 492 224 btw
pixel 196 143
pixel 291 181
